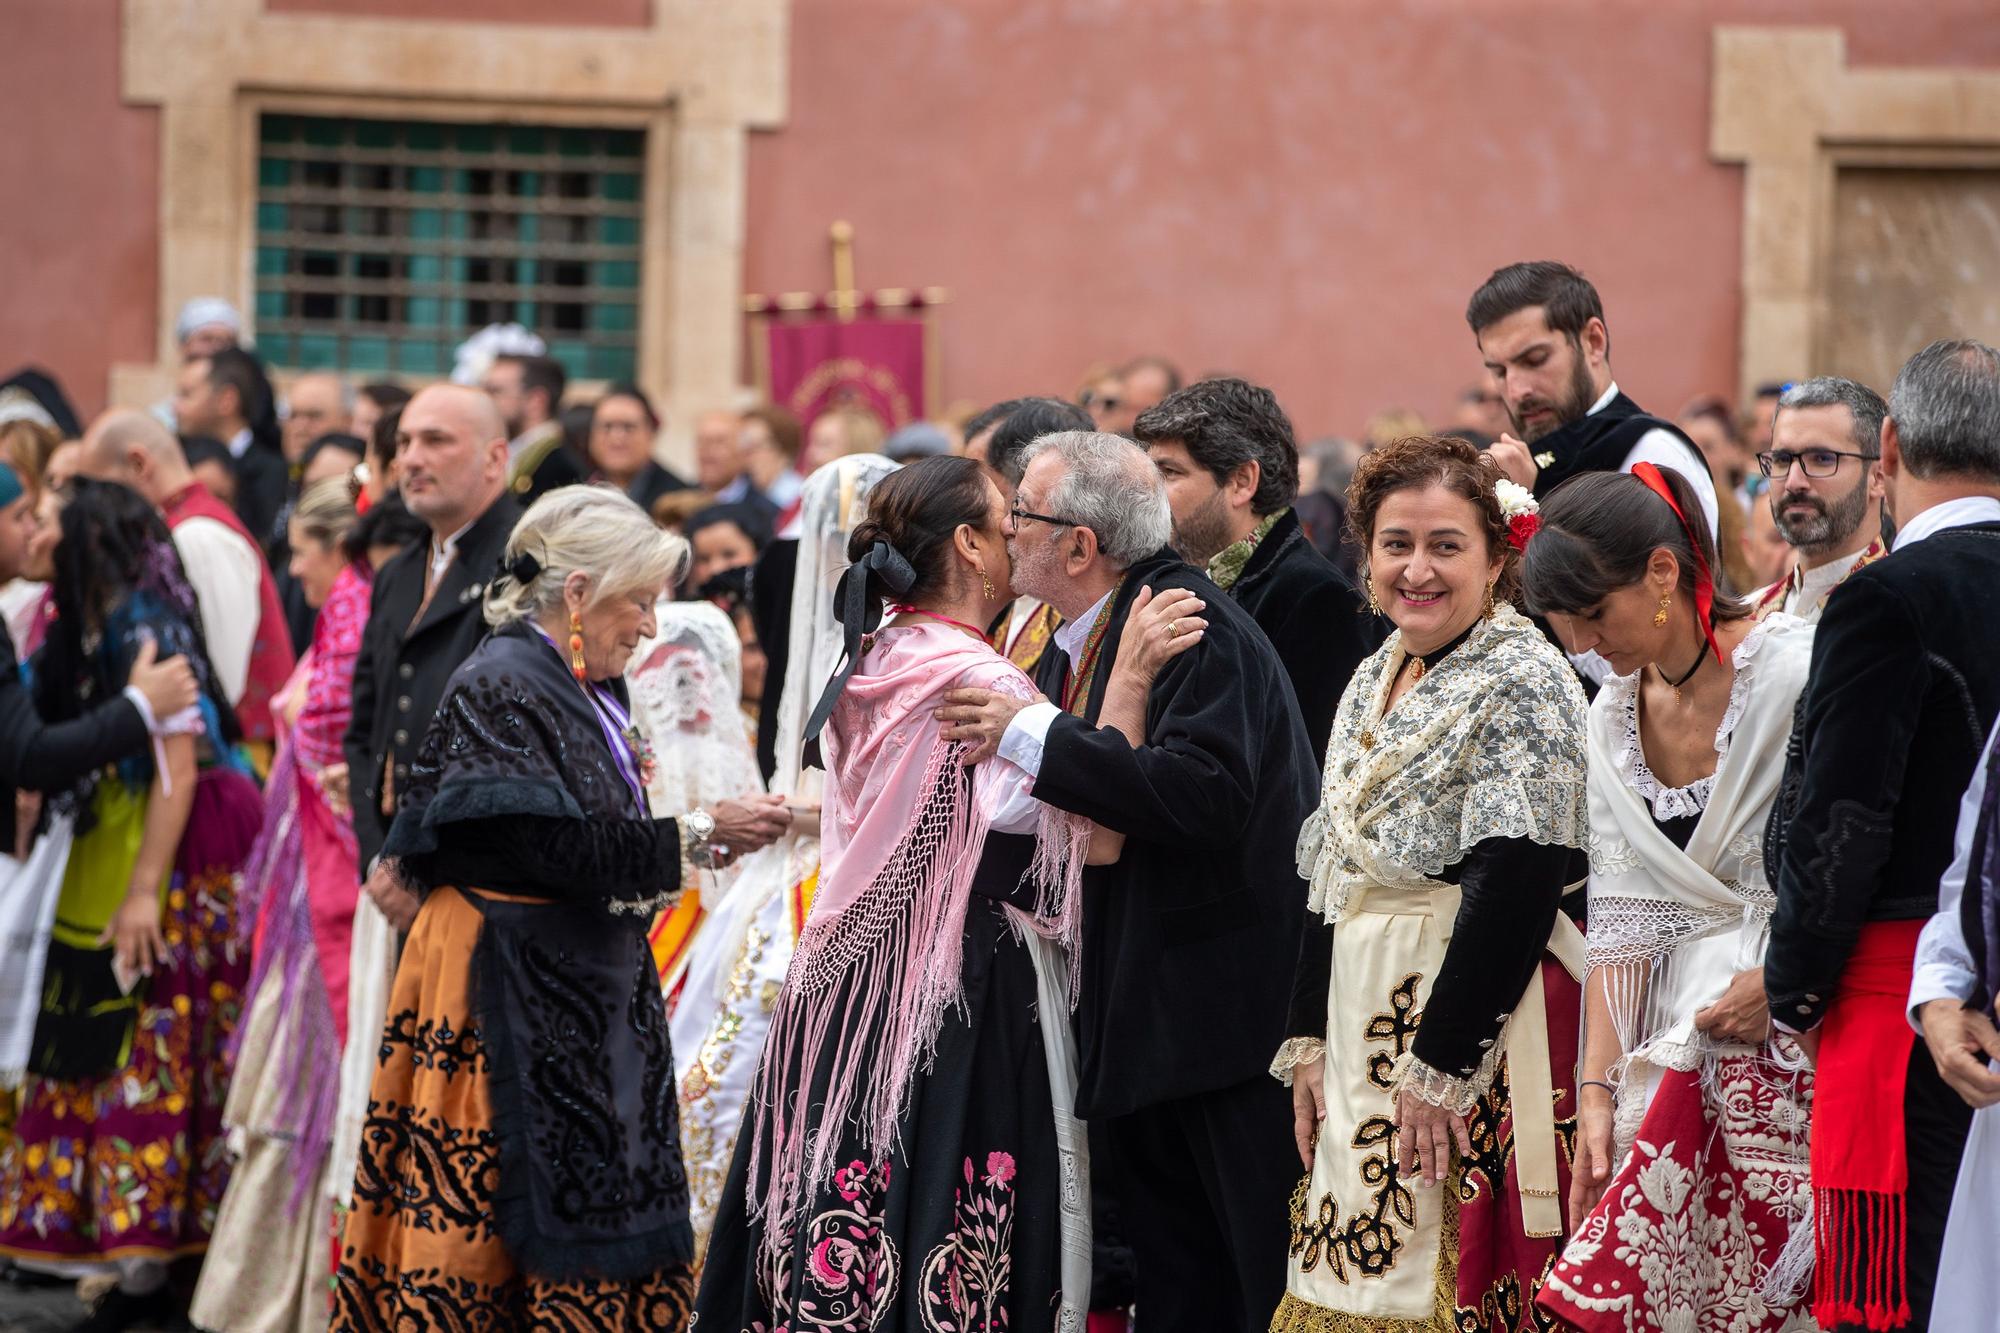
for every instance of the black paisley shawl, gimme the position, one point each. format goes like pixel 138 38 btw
pixel 516 791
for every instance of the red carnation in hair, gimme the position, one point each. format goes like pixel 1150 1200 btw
pixel 1521 527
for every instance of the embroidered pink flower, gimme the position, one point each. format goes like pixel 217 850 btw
pixel 999 1168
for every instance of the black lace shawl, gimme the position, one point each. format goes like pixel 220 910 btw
pixel 516 791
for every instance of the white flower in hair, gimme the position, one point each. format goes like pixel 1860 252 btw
pixel 1515 498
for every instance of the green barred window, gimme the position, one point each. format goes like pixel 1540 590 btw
pixel 381 244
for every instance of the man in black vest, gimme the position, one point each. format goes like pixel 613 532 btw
pixel 1226 452
pixel 1905 687
pixel 1541 331
pixel 1190 939
pixel 428 612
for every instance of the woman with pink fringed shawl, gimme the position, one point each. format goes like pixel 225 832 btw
pixel 911 1160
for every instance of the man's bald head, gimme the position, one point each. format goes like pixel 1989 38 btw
pixel 132 447
pixel 451 456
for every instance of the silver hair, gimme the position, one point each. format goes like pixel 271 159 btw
pixel 1110 486
pixel 595 530
pixel 1946 406
pixel 1862 402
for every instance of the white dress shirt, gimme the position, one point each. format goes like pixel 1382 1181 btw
pixel 443 551
pixel 224 570
pixel 1959 513
pixel 239 443
pixel 1806 590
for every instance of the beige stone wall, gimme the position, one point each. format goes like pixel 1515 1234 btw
pixel 1915 256
pixel 1867 219
pixel 697 79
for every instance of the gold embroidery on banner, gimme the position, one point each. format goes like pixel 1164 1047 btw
pixel 1296 1315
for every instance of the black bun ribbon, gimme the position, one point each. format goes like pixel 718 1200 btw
pixel 522 569
pixel 857 605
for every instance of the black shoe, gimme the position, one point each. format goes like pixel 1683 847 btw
pixel 16 1276
pixel 118 1310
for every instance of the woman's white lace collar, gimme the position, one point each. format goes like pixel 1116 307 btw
pixel 1630 756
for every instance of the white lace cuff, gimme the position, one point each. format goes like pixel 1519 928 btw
pixel 1457 1095
pixel 1295 1052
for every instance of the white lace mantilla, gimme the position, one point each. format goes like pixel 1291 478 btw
pixel 1488 744
pixel 1630 754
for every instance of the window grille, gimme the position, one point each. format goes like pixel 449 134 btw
pixel 381 245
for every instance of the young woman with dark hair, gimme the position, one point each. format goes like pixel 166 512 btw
pixel 117 1160
pixel 910 1159
pixel 1682 1072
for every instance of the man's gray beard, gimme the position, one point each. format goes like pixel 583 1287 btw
pixel 1203 535
pixel 1830 531
pixel 1582 393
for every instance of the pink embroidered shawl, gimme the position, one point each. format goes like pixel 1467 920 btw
pixel 878 962
pixel 300 885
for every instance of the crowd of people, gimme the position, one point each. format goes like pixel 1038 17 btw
pixel 1093 864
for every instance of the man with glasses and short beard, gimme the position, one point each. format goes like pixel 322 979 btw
pixel 1826 490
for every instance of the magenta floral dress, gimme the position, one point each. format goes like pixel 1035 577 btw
pixel 960 1230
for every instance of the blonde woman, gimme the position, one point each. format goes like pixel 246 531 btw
pixel 521 1165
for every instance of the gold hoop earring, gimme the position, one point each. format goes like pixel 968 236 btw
pixel 1660 616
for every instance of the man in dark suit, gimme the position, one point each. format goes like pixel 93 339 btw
pixel 1189 941
pixel 428 612
pixel 227 395
pixel 38 756
pixel 1905 687
pixel 1226 452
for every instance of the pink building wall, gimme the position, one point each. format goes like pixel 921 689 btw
pixel 1300 192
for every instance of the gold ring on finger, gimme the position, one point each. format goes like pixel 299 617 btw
pixel 1173 629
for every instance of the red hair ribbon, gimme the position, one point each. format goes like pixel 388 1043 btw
pixel 1704 581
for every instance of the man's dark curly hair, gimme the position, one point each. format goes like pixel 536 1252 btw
pixel 1223 424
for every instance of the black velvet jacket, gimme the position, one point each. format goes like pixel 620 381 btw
pixel 1313 616
pixel 1905 686
pixel 404 662
pixel 516 790
pixel 1189 940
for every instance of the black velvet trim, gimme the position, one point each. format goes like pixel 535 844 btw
pixel 415 830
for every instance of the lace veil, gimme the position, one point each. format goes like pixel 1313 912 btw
pixel 834 500
pixel 686 684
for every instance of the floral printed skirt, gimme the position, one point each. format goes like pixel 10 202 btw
pixel 133 1165
pixel 420 1249
pixel 960 1230
pixel 1699 1211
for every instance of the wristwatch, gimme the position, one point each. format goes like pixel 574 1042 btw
pixel 699 826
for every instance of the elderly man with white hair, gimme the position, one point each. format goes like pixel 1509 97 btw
pixel 1189 941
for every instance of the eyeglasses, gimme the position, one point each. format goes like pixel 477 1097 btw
pixel 1017 514
pixel 1816 462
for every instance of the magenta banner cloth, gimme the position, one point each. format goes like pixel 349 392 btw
pixel 877 364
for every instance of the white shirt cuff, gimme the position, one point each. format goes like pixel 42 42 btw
pixel 145 709
pixel 1937 981
pixel 1026 736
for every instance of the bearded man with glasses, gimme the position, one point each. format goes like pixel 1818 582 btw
pixel 1825 490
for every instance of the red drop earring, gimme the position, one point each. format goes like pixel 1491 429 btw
pixel 576 644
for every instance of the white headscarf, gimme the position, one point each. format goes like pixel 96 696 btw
pixel 203 311
pixel 835 499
